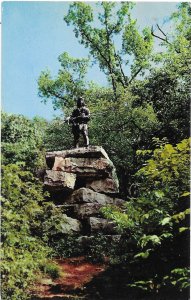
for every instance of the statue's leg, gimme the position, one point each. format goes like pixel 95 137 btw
pixel 85 135
pixel 76 134
pixel 76 141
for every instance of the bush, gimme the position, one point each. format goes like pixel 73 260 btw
pixel 22 141
pixel 50 269
pixel 158 221
pixel 66 246
pixel 23 251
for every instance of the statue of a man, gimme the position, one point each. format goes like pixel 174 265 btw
pixel 79 119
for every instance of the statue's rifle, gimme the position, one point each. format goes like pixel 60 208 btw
pixel 69 120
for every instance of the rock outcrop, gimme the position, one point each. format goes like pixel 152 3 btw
pixel 59 180
pixel 82 181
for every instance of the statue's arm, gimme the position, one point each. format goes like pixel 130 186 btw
pixel 87 114
pixel 73 116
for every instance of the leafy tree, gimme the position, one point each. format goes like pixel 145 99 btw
pixel 114 20
pixel 27 218
pixel 168 85
pixel 58 135
pixel 121 128
pixel 169 95
pixel 101 41
pixel 68 84
pixel 22 141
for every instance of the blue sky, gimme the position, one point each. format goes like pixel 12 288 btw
pixel 34 35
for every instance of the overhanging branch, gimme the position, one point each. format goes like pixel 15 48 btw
pixel 133 77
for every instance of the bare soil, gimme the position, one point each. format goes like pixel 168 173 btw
pixel 75 273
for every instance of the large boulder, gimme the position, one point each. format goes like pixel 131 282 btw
pixel 82 181
pixel 107 185
pixel 92 168
pixel 100 225
pixel 90 152
pixel 84 166
pixel 86 195
pixel 70 225
pixel 59 180
pixel 83 211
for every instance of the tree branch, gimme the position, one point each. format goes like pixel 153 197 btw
pixel 52 93
pixel 160 38
pixel 124 81
pixel 163 39
pixel 109 57
pixel 161 30
pixel 103 57
pixel 133 77
pixel 95 45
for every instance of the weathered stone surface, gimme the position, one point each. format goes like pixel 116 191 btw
pixel 58 162
pixel 100 225
pixel 70 225
pixel 59 180
pixel 92 151
pixel 84 167
pixel 107 185
pixel 85 195
pixel 84 211
pixel 82 181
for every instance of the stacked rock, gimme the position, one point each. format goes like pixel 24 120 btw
pixel 83 180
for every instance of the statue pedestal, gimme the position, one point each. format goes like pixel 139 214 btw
pixel 82 181
pixel 91 166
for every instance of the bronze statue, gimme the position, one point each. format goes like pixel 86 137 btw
pixel 79 119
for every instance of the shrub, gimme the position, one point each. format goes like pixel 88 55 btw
pixel 158 221
pixel 22 250
pixel 50 269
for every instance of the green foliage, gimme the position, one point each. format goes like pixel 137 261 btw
pixel 29 221
pixel 178 42
pixel 66 246
pixel 55 224
pixel 168 85
pixel 178 276
pixel 51 269
pixel 98 248
pixel 158 219
pixel 58 136
pixel 22 141
pixel 168 91
pixel 23 251
pixel 168 170
pixel 102 248
pixel 30 224
pixel 138 45
pixel 118 216
pixel 113 19
pixel 69 83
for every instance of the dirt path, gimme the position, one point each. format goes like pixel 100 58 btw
pixel 75 274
